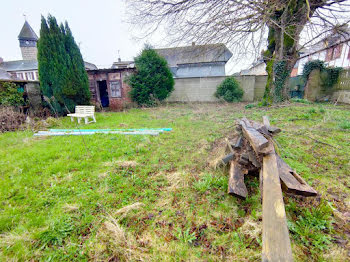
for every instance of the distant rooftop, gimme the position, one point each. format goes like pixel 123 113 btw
pixel 195 54
pixel 30 65
pixel 27 33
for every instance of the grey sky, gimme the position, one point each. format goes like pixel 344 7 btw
pixel 97 25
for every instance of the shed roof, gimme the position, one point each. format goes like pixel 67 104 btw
pixel 195 54
pixel 27 33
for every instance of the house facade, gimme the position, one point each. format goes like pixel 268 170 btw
pixel 197 60
pixel 334 50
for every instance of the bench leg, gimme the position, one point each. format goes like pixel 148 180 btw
pixel 93 117
pixel 86 120
pixel 79 118
pixel 72 119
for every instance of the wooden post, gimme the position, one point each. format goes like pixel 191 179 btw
pixel 275 235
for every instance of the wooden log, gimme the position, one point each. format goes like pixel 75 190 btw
pixel 291 181
pixel 256 140
pixel 275 235
pixel 236 184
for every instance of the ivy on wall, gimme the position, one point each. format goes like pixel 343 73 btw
pixel 10 95
pixel 330 74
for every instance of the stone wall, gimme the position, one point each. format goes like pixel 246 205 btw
pixel 29 52
pixel 340 92
pixel 34 97
pixel 202 89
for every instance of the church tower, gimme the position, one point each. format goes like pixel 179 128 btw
pixel 27 41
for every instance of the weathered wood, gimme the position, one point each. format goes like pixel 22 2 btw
pixel 261 184
pixel 266 121
pixel 239 142
pixel 271 129
pixel 256 140
pixel 236 184
pixel 252 159
pixel 228 158
pixel 291 181
pixel 260 128
pixel 275 235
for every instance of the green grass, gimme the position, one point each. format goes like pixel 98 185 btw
pixel 68 198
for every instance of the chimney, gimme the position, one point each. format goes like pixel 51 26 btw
pixel 193 43
pixel 1 60
pixel 119 59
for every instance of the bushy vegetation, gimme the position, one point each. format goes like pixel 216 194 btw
pixel 10 96
pixel 153 80
pixel 63 79
pixel 229 90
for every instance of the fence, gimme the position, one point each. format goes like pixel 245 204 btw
pixel 202 89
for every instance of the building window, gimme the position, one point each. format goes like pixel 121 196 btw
pixel 116 90
pixel 19 76
pixel 334 52
pixel 37 75
pixel 29 75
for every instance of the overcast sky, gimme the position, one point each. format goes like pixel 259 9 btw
pixel 98 26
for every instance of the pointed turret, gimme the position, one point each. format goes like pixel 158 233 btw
pixel 27 42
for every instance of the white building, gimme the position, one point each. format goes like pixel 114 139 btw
pixel 334 50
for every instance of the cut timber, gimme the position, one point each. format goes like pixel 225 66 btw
pixel 239 142
pixel 275 235
pixel 291 181
pixel 256 140
pixel 236 184
pixel 271 129
pixel 228 158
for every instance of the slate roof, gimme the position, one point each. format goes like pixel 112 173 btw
pixel 195 54
pixel 4 75
pixel 30 65
pixel 19 65
pixel 90 66
pixel 27 33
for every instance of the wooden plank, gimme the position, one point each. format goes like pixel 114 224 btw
pixel 236 184
pixel 256 140
pixel 228 158
pixel 271 129
pixel 291 181
pixel 275 235
pixel 239 142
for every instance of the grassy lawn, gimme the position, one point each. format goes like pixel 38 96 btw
pixel 156 198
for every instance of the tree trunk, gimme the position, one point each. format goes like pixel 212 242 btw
pixel 281 54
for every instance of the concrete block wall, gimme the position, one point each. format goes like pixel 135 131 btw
pixel 202 89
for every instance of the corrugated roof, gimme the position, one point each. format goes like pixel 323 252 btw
pixel 195 54
pixel 19 65
pixel 27 33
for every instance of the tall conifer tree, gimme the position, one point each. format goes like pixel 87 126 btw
pixel 61 67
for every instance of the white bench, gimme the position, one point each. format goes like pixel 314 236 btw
pixel 83 112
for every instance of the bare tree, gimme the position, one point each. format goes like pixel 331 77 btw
pixel 244 26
